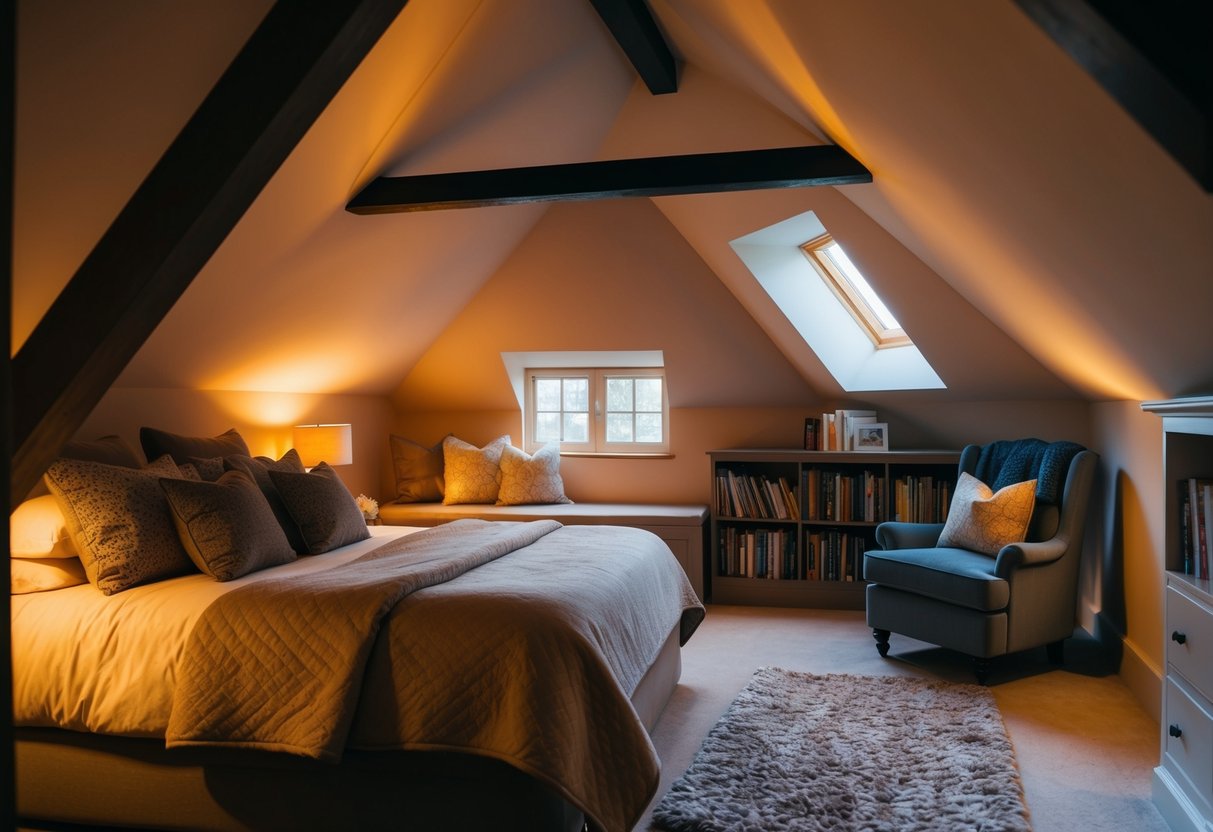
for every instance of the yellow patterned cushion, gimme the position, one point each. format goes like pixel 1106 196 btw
pixel 531 479
pixel 473 475
pixel 982 521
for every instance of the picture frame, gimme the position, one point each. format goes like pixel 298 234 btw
pixel 872 437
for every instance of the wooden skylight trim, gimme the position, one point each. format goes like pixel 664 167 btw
pixel 881 336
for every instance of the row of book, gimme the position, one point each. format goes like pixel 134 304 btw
pixel 758 497
pixel 836 431
pixel 921 499
pixel 1196 525
pixel 771 554
pixel 844 496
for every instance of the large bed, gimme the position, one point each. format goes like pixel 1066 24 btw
pixel 473 675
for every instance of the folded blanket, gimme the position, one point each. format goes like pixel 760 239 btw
pixel 1010 461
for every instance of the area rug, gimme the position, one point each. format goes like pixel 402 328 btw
pixel 839 752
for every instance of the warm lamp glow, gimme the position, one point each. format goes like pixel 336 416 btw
pixel 333 444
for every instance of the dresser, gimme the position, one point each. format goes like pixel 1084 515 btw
pixel 1183 780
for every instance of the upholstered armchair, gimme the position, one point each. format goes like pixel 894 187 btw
pixel 973 584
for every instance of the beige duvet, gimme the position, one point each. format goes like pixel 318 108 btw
pixel 528 656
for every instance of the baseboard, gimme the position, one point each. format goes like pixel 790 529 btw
pixel 1141 676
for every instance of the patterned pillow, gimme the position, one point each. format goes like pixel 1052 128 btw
pixel 322 507
pixel 259 467
pixel 418 471
pixel 157 443
pixel 531 479
pixel 226 526
pixel 473 475
pixel 209 468
pixel 42 575
pixel 38 529
pixel 983 521
pixel 119 521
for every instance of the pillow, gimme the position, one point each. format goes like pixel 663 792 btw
pixel 984 521
pixel 322 507
pixel 119 521
pixel 157 443
pixel 531 479
pixel 41 575
pixel 37 529
pixel 472 475
pixel 226 526
pixel 112 450
pixel 418 471
pixel 209 468
pixel 258 468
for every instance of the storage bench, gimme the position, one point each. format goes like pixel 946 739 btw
pixel 680 526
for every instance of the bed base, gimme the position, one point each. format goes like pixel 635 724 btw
pixel 65 777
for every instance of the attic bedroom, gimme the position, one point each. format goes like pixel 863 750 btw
pixel 192 252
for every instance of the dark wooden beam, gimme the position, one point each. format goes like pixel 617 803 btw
pixel 1153 58
pixel 283 78
pixel 636 32
pixel 787 167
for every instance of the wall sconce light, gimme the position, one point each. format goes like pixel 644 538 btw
pixel 333 444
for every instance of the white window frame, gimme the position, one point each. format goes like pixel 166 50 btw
pixel 597 444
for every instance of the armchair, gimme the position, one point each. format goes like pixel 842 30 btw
pixel 987 604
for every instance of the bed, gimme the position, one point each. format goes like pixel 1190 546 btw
pixel 489 675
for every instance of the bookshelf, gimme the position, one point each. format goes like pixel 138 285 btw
pixel 1183 781
pixel 789 527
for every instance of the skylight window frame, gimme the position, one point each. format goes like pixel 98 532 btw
pixel 848 294
pixel 597 444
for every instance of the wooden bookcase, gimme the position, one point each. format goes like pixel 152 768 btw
pixel 837 500
pixel 1183 781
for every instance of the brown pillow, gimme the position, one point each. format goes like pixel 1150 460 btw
pixel 112 450
pixel 119 521
pixel 226 526
pixel 322 507
pixel 258 468
pixel 418 471
pixel 209 468
pixel 157 443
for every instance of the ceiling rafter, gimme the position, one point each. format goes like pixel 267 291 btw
pixel 743 170
pixel 636 32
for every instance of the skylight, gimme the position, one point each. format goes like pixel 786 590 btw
pixel 853 289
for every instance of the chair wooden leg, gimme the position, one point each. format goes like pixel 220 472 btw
pixel 981 669
pixel 882 642
pixel 1055 651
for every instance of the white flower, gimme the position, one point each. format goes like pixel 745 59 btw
pixel 368 507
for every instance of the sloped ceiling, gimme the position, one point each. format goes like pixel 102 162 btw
pixel 1035 241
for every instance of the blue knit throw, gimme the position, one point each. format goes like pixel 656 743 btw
pixel 1010 461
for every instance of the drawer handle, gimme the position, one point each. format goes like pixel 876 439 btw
pixel 1175 732
pixel 1178 637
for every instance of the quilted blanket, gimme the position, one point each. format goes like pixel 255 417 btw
pixel 519 641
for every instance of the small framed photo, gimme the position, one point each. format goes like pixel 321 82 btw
pixel 873 436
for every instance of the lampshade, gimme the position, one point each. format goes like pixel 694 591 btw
pixel 333 444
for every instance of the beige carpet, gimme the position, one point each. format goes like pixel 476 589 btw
pixel 1085 748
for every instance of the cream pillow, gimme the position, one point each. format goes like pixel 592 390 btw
pixel 37 529
pixel 983 521
pixel 473 475
pixel 531 479
pixel 42 575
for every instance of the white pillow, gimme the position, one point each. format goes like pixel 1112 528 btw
pixel 983 521
pixel 473 475
pixel 42 575
pixel 529 479
pixel 37 529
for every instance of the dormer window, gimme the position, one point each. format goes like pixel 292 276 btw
pixel 854 291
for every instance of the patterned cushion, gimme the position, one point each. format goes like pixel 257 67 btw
pixel 38 529
pixel 531 479
pixel 42 575
pixel 157 443
pixel 983 521
pixel 322 507
pixel 418 471
pixel 259 467
pixel 473 475
pixel 209 468
pixel 119 521
pixel 226 526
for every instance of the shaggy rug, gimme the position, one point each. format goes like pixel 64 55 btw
pixel 840 752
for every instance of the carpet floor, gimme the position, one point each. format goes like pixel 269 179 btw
pixel 1085 747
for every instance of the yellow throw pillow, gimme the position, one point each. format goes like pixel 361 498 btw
pixel 473 475
pixel 37 529
pixel 983 521
pixel 529 479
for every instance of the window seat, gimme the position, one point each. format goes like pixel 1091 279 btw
pixel 682 527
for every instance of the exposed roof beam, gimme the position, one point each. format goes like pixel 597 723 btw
pixel 1150 57
pixel 638 36
pixel 745 170
pixel 282 79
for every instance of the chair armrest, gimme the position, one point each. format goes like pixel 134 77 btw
pixel 893 535
pixel 1016 555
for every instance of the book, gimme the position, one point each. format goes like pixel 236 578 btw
pixel 844 420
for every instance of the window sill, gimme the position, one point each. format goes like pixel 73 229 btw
pixel 596 455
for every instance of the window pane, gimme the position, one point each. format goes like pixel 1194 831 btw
pixel 619 394
pixel 844 264
pixel 577 394
pixel 547 394
pixel 547 427
pixel 648 427
pixel 619 427
pixel 648 394
pixel 576 427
